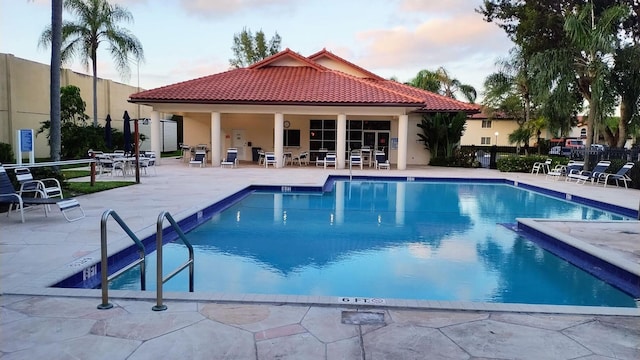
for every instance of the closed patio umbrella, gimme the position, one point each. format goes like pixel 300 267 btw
pixel 127 132
pixel 107 133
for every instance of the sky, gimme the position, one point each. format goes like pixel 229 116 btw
pixel 187 39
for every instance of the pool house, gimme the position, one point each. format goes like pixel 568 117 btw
pixel 288 103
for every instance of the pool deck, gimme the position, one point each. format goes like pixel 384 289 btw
pixel 41 322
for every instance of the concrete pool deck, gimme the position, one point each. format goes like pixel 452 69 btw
pixel 38 321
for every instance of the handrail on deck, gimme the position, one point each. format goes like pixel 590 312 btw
pixel 159 277
pixel 104 266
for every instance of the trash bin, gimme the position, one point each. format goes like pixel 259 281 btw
pixel 255 156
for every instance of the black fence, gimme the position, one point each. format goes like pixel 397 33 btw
pixel 485 158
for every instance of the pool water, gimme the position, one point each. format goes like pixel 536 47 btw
pixel 408 240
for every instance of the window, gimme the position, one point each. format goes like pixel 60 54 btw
pixel 583 133
pixel 291 138
pixel 322 134
pixel 486 124
pixel 485 140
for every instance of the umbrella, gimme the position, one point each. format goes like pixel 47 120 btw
pixel 127 132
pixel 107 132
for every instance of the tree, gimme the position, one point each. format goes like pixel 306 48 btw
pixel 441 132
pixel 55 146
pixel 97 22
pixel 626 80
pixel 440 82
pixel 248 48
pixel 450 86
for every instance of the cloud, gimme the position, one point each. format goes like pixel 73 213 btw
pixel 428 7
pixel 219 9
pixel 432 43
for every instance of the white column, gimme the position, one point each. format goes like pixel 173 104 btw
pixel 278 138
pixel 156 141
pixel 341 140
pixel 216 141
pixel 403 130
pixel 340 202
pixel 401 190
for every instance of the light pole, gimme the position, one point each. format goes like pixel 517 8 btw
pixel 496 134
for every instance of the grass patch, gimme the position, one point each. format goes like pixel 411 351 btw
pixel 177 153
pixel 72 174
pixel 81 188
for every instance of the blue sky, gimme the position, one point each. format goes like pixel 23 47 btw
pixel 186 39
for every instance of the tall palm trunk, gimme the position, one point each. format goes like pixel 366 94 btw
pixel 94 57
pixel 55 133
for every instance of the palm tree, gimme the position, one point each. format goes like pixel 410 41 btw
pixel 426 80
pixel 97 22
pixel 55 134
pixel 586 59
pixel 450 86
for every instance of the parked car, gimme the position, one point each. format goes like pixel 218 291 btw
pixel 599 147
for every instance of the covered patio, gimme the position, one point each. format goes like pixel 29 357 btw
pixel 289 103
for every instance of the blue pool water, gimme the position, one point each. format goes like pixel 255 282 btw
pixel 409 240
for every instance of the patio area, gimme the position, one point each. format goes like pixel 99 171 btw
pixel 37 321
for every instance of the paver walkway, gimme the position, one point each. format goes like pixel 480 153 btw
pixel 40 322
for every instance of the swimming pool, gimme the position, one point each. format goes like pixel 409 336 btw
pixel 447 241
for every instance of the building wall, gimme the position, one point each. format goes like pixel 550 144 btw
pixel 474 132
pixel 24 99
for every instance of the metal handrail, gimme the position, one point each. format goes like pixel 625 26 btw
pixel 159 278
pixel 104 268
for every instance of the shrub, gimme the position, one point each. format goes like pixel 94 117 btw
pixel 6 154
pixel 518 163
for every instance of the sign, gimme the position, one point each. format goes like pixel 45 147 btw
pixel 26 140
pixel 394 143
pixel 363 301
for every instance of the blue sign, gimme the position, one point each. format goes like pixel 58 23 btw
pixel 26 140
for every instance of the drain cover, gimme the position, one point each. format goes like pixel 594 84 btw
pixel 362 318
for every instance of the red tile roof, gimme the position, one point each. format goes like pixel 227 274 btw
pixel 289 78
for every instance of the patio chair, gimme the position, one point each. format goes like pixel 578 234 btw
pixel 330 160
pixel 232 158
pixel 381 160
pixel 621 175
pixel 303 158
pixel 562 170
pixel 49 186
pixel 148 163
pixel 583 176
pixel 9 195
pixel 199 158
pixel 544 166
pixel 270 159
pixel 355 160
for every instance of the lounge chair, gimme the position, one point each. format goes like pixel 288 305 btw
pixel 199 158
pixel 330 160
pixel 355 160
pixel 232 158
pixel 381 160
pixel 270 159
pixel 621 175
pixel 562 170
pixel 583 176
pixel 544 166
pixel 49 186
pixel 9 195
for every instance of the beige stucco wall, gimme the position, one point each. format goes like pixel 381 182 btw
pixel 24 99
pixel 474 132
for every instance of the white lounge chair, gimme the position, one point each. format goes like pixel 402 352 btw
pixel 330 160
pixel 199 158
pixel 381 160
pixel 583 176
pixel 9 195
pixel 270 159
pixel 621 175
pixel 232 158
pixel 562 170
pixel 544 166
pixel 355 160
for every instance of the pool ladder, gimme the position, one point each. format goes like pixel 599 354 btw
pixel 141 259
